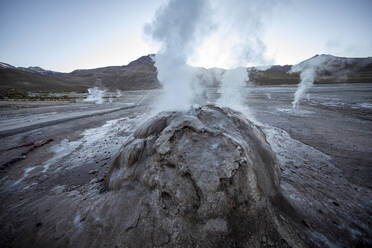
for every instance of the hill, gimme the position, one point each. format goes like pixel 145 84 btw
pixel 138 74
pixel 334 70
pixel 141 74
pixel 12 78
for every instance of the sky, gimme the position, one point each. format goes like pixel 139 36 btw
pixel 81 34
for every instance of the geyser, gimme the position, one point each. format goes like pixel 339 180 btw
pixel 202 178
pixel 176 26
pixel 185 29
pixel 308 72
pixel 205 177
pixel 95 95
pixel 321 65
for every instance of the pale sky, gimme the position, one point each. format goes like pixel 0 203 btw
pixel 77 34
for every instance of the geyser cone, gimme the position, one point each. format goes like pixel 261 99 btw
pixel 205 178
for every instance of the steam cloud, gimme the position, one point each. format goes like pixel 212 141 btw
pixel 95 95
pixel 241 23
pixel 176 26
pixel 308 73
pixel 244 21
pixel 319 65
pixel 232 85
pixel 189 30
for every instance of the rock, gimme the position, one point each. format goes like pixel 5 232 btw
pixel 206 178
pixel 58 189
pixel 93 171
pixel 202 178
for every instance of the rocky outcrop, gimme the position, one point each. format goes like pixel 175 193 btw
pixel 202 178
pixel 206 178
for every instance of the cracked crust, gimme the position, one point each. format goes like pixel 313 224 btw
pixel 208 178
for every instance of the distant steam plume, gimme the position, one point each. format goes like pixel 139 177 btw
pixel 322 65
pixel 308 72
pixel 95 95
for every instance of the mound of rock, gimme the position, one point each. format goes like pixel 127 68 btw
pixel 205 178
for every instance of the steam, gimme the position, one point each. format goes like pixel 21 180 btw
pixel 190 31
pixel 232 86
pixel 95 95
pixel 322 65
pixel 118 93
pixel 247 47
pixel 176 26
pixel 242 24
pixel 207 79
pixel 308 72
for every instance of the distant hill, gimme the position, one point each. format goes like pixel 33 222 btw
pixel 141 74
pixel 12 78
pixel 336 70
pixel 138 74
pixel 275 75
pixel 33 69
pixel 5 65
pixel 38 70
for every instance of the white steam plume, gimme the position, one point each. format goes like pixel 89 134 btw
pixel 321 65
pixel 244 23
pixel 177 26
pixel 207 80
pixel 232 87
pixel 95 95
pixel 193 29
pixel 308 73
pixel 118 93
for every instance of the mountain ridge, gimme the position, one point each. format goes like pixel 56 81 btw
pixel 142 74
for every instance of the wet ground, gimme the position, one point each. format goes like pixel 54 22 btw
pixel 325 150
pixel 324 147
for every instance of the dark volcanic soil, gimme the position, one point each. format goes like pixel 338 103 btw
pixel 324 150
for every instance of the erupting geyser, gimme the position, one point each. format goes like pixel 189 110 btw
pixel 319 65
pixel 204 178
pixel 95 95
pixel 308 72
pixel 184 28
pixel 175 27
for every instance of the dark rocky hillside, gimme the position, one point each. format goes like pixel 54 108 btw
pixel 12 78
pixel 141 74
pixel 344 70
